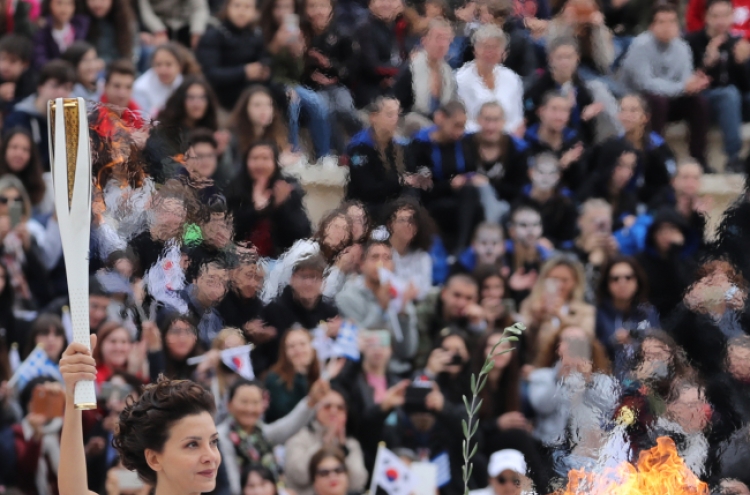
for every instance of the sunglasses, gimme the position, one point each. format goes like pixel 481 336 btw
pixel 4 200
pixel 324 473
pixel 503 480
pixel 617 278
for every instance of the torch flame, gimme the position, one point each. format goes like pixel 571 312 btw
pixel 659 471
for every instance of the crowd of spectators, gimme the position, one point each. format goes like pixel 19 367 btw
pixel 506 162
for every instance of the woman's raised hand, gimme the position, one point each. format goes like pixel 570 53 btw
pixel 77 365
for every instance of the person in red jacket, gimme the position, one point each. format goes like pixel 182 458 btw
pixel 696 16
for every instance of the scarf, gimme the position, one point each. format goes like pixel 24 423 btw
pixel 421 84
pixel 252 449
pixel 49 457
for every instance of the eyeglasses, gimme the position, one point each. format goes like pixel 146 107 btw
pixel 324 473
pixel 503 480
pixel 617 278
pixel 329 406
pixel 4 200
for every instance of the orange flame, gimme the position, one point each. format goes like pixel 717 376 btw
pixel 659 471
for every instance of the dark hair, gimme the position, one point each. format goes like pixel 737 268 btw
pixel 102 333
pixel 237 191
pixel 145 422
pixel 641 294
pixel 426 229
pixel 133 381
pixel 121 66
pixel 7 295
pixel 75 53
pixel 46 7
pixel 463 278
pixel 174 114
pixel 173 368
pixel 284 367
pixel 96 288
pixel 57 70
pixel 306 26
pixel 31 176
pixel 662 7
pixel 355 203
pixel 17 46
pixel 323 454
pixel 185 58
pixel 560 41
pixel 41 326
pixel 28 391
pixel 646 107
pixel 482 273
pixel 122 254
pixel 262 471
pixel 327 251
pixel 522 206
pixel 372 243
pixel 315 262
pixel 243 382
pixel 551 95
pixel 122 16
pixel 202 135
pixel 508 390
pixel 452 108
pixel 711 3
pixel 268 24
pixel 244 129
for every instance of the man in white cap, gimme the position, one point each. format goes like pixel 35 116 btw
pixel 507 474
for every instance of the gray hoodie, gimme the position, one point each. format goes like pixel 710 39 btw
pixel 653 67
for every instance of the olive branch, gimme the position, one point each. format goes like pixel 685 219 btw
pixel 478 381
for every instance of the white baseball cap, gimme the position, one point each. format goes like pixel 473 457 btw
pixel 503 460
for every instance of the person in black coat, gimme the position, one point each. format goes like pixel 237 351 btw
pixel 301 303
pixel 241 307
pixel 377 159
pixel 233 55
pixel 267 208
pixel 451 161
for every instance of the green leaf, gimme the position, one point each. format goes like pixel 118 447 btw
pixel 474 451
pixel 474 384
pixel 488 365
pixel 466 403
pixel 465 428
pixel 474 429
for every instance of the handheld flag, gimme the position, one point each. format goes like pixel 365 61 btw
pixel 238 360
pixel 391 474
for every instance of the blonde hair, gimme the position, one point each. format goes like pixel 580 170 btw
pixel 575 266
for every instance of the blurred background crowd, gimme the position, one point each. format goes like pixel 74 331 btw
pixel 504 160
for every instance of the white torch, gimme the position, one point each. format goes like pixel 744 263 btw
pixel 70 158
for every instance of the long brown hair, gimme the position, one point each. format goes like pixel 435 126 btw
pixel 243 127
pixel 122 16
pixel 105 331
pixel 548 355
pixel 509 386
pixel 284 367
pixel 31 175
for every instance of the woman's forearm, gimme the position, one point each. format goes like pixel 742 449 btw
pixel 72 475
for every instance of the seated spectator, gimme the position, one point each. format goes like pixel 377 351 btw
pixel 99 301
pixel 232 54
pixel 695 18
pixel 177 342
pixel 683 195
pixel 271 217
pixel 595 244
pixel 241 307
pixel 380 58
pixel 192 105
pixel 667 260
pixel 257 480
pixel 454 199
pixel 506 472
pixel 502 156
pixel 411 232
pixel 62 28
pixel 46 330
pixel 521 54
pixel 290 379
pixel 455 305
pixel 184 21
pixel 204 293
pixel 485 79
pixel 327 430
pixel 499 309
pixel 553 201
pixel 55 81
pixel 525 250
pixel 623 312
pixel 572 360
pixel 552 134
pixel 286 47
pixel 722 56
pixel 83 57
pixel 245 440
pixel 37 442
pixel 201 161
pixel 328 68
pixel 113 30
pixel 19 157
pixel 556 301
pixel 376 159
pixel 346 265
pixel 118 89
pixel 16 75
pixel 300 303
pixel 449 367
pixel 256 117
pixel 655 160
pixel 563 75
pixel 487 248
pixel 114 352
pixel 610 183
pixel 333 237
pixel 366 300
pixel 169 64
pixel 427 81
pixel 328 472
pixel 659 64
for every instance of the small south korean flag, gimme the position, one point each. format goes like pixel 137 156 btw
pixel 238 360
pixel 391 474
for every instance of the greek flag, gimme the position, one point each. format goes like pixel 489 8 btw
pixel 36 364
pixel 443 464
pixel 347 342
